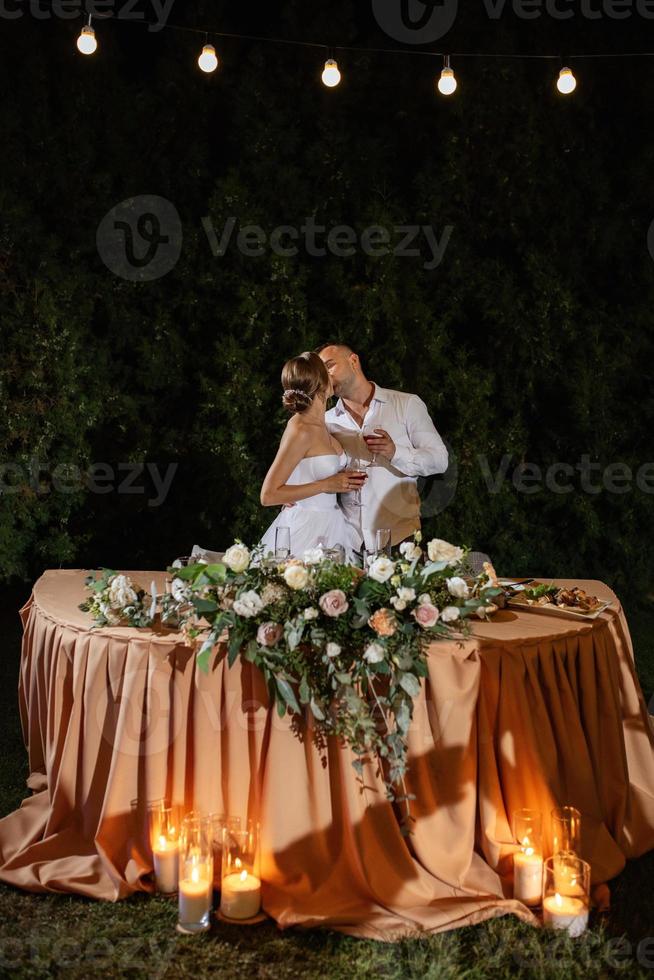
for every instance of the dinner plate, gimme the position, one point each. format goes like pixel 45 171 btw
pixel 519 601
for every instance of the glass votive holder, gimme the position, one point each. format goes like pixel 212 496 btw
pixel 566 893
pixel 240 888
pixel 566 829
pixel 195 874
pixel 164 827
pixel 220 822
pixel 528 860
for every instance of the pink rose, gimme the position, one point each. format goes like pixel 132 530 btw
pixel 425 615
pixel 334 603
pixel 269 634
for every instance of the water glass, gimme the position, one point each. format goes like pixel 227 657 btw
pixel 282 542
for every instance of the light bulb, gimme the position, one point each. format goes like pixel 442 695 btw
pixel 447 82
pixel 566 82
pixel 331 76
pixel 208 61
pixel 86 42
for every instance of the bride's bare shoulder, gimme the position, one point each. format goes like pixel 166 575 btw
pixel 297 430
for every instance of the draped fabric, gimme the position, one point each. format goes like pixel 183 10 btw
pixel 529 711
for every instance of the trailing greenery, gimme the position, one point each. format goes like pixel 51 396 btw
pixel 345 645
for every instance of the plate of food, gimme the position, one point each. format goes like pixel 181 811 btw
pixel 546 597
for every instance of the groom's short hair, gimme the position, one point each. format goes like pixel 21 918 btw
pixel 335 343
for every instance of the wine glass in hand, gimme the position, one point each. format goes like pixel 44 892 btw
pixel 369 433
pixel 357 464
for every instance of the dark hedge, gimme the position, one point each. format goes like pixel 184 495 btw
pixel 531 341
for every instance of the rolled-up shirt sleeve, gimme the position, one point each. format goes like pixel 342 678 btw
pixel 427 454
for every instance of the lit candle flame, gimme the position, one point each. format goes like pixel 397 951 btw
pixel 162 842
pixel 195 875
pixel 558 900
pixel 244 875
pixel 237 863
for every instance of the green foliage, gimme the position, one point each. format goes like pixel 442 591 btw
pixel 531 340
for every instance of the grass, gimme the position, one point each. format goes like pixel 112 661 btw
pixel 66 936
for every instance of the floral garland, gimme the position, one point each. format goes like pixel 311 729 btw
pixel 347 644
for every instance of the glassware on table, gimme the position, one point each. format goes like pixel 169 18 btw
pixel 358 465
pixel 240 888
pixel 566 829
pixel 282 542
pixel 566 893
pixel 383 541
pixel 195 873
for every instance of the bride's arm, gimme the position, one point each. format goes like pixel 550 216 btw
pixel 275 491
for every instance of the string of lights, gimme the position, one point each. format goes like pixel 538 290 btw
pixel 446 81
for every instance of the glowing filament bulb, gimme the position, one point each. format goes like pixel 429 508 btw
pixel 331 76
pixel 208 61
pixel 566 82
pixel 86 42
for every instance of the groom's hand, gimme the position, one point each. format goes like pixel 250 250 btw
pixel 382 444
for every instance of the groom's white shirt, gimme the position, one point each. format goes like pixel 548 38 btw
pixel 390 495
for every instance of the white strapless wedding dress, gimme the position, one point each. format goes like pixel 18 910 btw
pixel 316 520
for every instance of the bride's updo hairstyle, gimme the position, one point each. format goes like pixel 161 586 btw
pixel 303 377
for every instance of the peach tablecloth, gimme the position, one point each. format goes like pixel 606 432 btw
pixel 530 711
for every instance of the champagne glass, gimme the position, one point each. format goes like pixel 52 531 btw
pixel 383 541
pixel 282 542
pixel 357 464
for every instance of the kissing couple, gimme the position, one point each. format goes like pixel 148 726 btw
pixel 342 475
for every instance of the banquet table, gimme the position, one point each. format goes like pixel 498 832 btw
pixel 528 711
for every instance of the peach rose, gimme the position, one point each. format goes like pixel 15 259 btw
pixel 383 622
pixel 269 634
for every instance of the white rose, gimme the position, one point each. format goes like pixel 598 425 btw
pixel 121 592
pixel 449 614
pixel 332 649
pixel 439 550
pixel 457 587
pixel 296 576
pixel 248 604
pixel 312 556
pixel 237 558
pixel 397 603
pixel 410 550
pixel 310 613
pixel 180 590
pixel 381 569
pixel 374 653
pixel 423 598
pixel 407 594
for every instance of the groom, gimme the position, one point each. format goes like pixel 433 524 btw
pixel 393 427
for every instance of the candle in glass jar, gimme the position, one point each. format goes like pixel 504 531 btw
pixel 240 895
pixel 165 854
pixel 527 876
pixel 564 912
pixel 194 897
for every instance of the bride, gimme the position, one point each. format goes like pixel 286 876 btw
pixel 307 471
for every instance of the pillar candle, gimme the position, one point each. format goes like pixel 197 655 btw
pixel 240 895
pixel 527 876
pixel 165 855
pixel 194 897
pixel 563 912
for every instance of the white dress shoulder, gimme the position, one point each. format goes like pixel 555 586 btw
pixel 316 520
